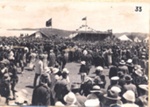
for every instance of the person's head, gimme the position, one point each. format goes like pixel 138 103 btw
pixel 143 89
pixel 70 98
pixel 99 70
pixel 43 78
pixel 65 73
pixel 128 79
pixel 114 80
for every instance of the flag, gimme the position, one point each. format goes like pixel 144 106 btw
pixel 84 18
pixel 49 22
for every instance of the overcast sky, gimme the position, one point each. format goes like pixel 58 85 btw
pixel 121 17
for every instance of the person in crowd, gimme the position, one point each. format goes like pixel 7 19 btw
pixel 114 82
pixel 14 78
pixel 5 87
pixel 86 86
pixel 129 85
pixel 62 87
pixel 99 74
pixel 142 100
pixel 83 70
pixel 42 95
pixel 75 88
pixel 112 98
pixel 122 67
pixel 52 58
pixel 39 69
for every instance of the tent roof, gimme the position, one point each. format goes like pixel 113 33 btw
pixel 124 38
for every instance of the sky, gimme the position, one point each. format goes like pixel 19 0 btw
pixel 120 17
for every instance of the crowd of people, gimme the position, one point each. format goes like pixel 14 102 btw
pixel 127 63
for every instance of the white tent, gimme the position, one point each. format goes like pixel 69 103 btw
pixel 136 39
pixel 124 38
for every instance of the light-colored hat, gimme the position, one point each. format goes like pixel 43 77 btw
pixel 55 70
pixel 116 89
pixel 115 78
pixel 59 104
pixel 122 62
pixel 99 68
pixel 137 67
pixel 65 70
pixel 83 62
pixel 92 103
pixel 129 61
pixel 144 87
pixel 96 88
pixel 129 96
pixel 70 98
pixel 112 95
pixel 139 72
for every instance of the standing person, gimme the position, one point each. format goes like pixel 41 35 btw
pixel 38 69
pixel 5 87
pixel 14 78
pixel 42 93
pixel 52 58
pixel 83 70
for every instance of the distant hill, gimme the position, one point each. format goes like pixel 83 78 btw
pixel 132 35
pixel 54 31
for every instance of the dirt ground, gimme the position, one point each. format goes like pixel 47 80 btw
pixel 26 79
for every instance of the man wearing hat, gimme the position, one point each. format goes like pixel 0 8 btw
pixel 42 93
pixel 130 66
pixel 114 82
pixel 100 76
pixel 129 85
pixel 129 97
pixel 75 88
pixel 62 87
pixel 142 100
pixel 122 67
pixel 112 98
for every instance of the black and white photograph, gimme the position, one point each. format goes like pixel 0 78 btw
pixel 74 53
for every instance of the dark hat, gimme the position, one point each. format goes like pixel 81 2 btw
pixel 128 78
pixel 75 86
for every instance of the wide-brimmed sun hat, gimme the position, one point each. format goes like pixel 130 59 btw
pixel 70 98
pixel 129 96
pixel 83 62
pixel 115 89
pixel 144 87
pixel 96 88
pixel 99 68
pixel 92 103
pixel 112 95
pixel 138 72
pixel 122 62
